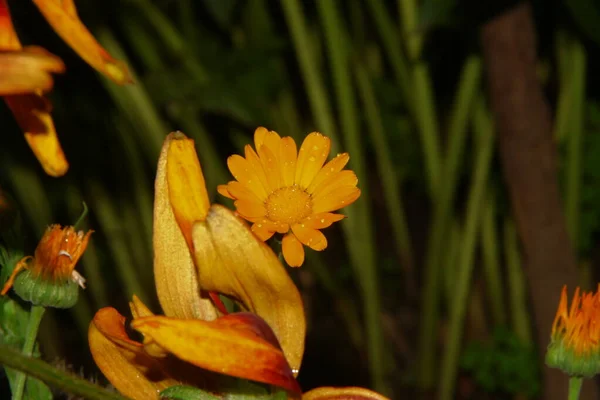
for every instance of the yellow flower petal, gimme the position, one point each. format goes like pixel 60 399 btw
pixel 224 190
pixel 239 191
pixel 259 136
pixel 270 163
pixel 32 113
pixel 27 71
pixel 250 209
pixel 237 345
pixel 312 238
pixel 335 182
pixel 293 251
pixel 322 220
pixel 312 155
pixel 342 393
pixel 232 261
pixel 335 200
pixel 174 271
pixel 245 173
pixel 63 18
pixel 287 156
pixel 122 360
pixel 331 168
pixel 187 189
pixel 261 231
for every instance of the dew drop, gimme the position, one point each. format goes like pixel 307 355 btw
pixel 259 225
pixel 312 159
pixel 322 220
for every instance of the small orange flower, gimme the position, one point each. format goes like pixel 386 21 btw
pixel 281 190
pixel 575 338
pixel 55 256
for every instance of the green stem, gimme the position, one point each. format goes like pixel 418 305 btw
pixel 35 317
pixel 41 370
pixel 482 126
pixel 84 214
pixel 517 284
pixel 575 383
pixel 442 217
pixel 314 85
pixel 491 269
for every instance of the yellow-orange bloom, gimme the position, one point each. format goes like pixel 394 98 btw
pixel 25 76
pixel 55 256
pixel 281 190
pixel 575 338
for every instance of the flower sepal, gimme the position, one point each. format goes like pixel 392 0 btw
pixel 564 358
pixel 234 389
pixel 46 293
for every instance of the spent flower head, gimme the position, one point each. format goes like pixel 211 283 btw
pixel 280 189
pixel 48 278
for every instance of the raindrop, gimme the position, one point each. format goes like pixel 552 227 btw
pixel 322 220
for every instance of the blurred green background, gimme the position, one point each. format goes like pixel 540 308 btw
pixel 400 86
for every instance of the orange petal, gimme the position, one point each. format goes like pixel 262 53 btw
pixel 312 238
pixel 256 167
pixel 261 231
pixel 187 189
pixel 342 393
pixel 245 174
pixel 270 163
pixel 232 261
pixel 287 158
pixel 239 345
pixel 313 153
pixel 293 251
pixel 122 360
pixel 28 71
pixel 335 182
pixel 224 191
pixel 174 271
pixel 331 168
pixel 322 220
pixel 250 209
pixel 32 113
pixel 8 37
pixel 63 18
pixel 335 200
pixel 259 136
pixel 239 191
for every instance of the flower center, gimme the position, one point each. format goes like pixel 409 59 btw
pixel 288 205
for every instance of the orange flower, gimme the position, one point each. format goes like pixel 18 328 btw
pixel 25 76
pixel 55 257
pixel 281 190
pixel 575 338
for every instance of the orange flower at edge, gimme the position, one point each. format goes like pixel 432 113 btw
pixel 281 190
pixel 575 339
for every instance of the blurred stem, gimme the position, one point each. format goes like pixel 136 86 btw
pixel 35 317
pixel 491 269
pixel 517 284
pixel 409 17
pixel 81 218
pixel 482 126
pixel 575 383
pixel 389 179
pixel 54 377
pixel 109 221
pixel 343 302
pixel 389 37
pixel 574 140
pixel 442 215
pixel 134 102
pixel 314 85
pixel 453 257
pixel 359 231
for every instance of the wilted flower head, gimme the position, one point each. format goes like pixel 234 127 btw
pixel 282 190
pixel 575 340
